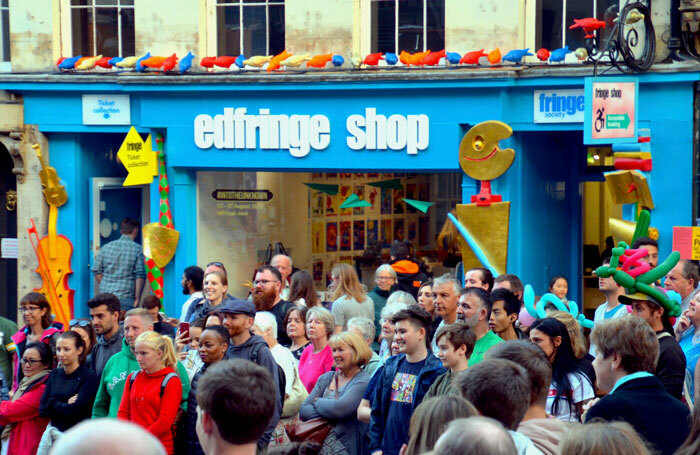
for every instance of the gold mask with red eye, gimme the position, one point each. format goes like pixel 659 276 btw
pixel 479 155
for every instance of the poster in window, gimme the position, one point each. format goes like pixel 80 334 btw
pixel 386 233
pixel 346 176
pixel 317 176
pixel 359 191
pixel 399 232
pixel 344 193
pixel 386 201
pixel 345 236
pixel 412 225
pixel 423 231
pixel 317 237
pixel 358 235
pixel 359 175
pixel 317 203
pixel 331 205
pixel 331 175
pixel 411 193
pixel 373 175
pixel 372 196
pixel 331 236
pixel 346 260
pixel 318 271
pixel 398 202
pixel 372 231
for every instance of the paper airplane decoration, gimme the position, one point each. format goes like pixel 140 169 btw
pixel 324 188
pixel 394 183
pixel 354 201
pixel 419 205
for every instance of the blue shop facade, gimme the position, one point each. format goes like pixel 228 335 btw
pixel 230 139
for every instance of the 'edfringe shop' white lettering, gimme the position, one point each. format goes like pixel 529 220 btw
pixel 397 132
pixel 234 129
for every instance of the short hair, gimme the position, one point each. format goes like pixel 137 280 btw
pixel 272 270
pixel 221 331
pixel 78 342
pixel 632 339
pixel 45 353
pixel 111 301
pixel 222 276
pixel 401 297
pixel 213 313
pixel 458 335
pixel 417 316
pixel 151 301
pixel 391 308
pixel 239 396
pixel 516 285
pixel 578 342
pixel 195 275
pixel 399 249
pixel 198 323
pixel 142 313
pixel 430 419
pixel 362 352
pixel 123 437
pixel 610 438
pixel 690 271
pixel 158 342
pixel 266 320
pixel 483 296
pixel 498 388
pixel 510 302
pixel 36 299
pixel 641 241
pixel 475 436
pixel 129 225
pixel 323 315
pixel 448 279
pixel 486 276
pixel 388 269
pixel 289 258
pixel 529 356
pixel 364 325
pixel 302 310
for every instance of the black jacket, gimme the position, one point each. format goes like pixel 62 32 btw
pixel 643 403
pixel 187 440
pixel 670 368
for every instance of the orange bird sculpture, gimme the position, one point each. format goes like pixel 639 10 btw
pixel 589 25
pixel 433 58
pixel 170 62
pixel 276 61
pixel 415 59
pixel 373 59
pixel 224 61
pixel 153 62
pixel 472 58
pixel 404 57
pixel 319 61
pixel 494 56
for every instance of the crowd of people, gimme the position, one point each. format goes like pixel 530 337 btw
pixel 413 366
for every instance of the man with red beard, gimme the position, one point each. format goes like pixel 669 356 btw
pixel 266 297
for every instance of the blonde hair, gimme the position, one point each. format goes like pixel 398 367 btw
pixel 161 343
pixel 578 342
pixel 349 283
pixel 362 352
pixel 611 438
pixel 449 236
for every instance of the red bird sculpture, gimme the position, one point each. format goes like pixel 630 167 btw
pixel 433 58
pixel 104 63
pixel 543 54
pixel 472 58
pixel 589 25
pixel 224 61
pixel 373 59
pixel 207 62
pixel 170 62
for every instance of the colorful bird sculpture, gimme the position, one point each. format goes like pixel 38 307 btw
pixel 516 55
pixel 319 61
pixel 404 57
pixel 276 60
pixel 69 62
pixel 337 60
pixel 104 63
pixel 433 58
pixel 224 61
pixel 170 62
pixel 239 61
pixel 581 53
pixel 88 63
pixel 589 25
pixel 453 58
pixel 416 58
pixel 543 54
pixel 186 62
pixel 472 58
pixel 558 55
pixel 60 60
pixel 139 63
pixel 154 62
pixel 207 62
pixel 114 60
pixel 494 56
pixel 295 60
pixel 257 60
pixel 391 59
pixel 373 59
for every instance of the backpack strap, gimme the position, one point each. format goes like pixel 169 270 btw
pixel 166 379
pixel 132 378
pixel 254 353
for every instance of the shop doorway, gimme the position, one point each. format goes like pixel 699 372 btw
pixel 110 202
pixel 8 234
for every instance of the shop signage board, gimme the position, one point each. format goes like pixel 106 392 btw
pixel 9 248
pixel 106 110
pixel 559 106
pixel 138 158
pixel 611 108
pixel 686 240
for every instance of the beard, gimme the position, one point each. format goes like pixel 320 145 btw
pixel 264 300
pixel 185 290
pixel 471 322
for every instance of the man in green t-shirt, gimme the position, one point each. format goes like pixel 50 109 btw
pixel 474 309
pixel 7 348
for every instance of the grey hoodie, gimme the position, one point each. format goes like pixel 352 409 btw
pixel 104 349
pixel 265 360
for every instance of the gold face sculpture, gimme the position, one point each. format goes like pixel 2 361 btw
pixel 159 243
pixel 479 155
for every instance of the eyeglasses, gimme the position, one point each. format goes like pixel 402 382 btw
pixel 26 361
pixel 79 322
pixel 215 264
pixel 263 282
pixel 385 278
pixel 26 309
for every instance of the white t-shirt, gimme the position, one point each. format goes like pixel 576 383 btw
pixel 581 390
pixel 523 444
pixel 186 306
pixel 289 364
pixel 602 313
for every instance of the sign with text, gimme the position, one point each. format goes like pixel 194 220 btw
pixel 106 110
pixel 559 106
pixel 611 110
pixel 686 240
pixel 138 158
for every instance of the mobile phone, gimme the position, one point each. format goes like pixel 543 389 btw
pixel 185 328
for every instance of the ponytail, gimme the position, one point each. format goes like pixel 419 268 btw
pixel 160 343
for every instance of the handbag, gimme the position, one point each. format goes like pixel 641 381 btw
pixel 296 397
pixel 314 430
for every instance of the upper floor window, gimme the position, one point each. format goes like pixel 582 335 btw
pixel 4 31
pixel 103 27
pixel 408 25
pixel 250 27
pixel 555 16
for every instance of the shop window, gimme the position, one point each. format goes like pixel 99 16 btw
pixel 4 31
pixel 103 27
pixel 250 27
pixel 555 16
pixel 408 25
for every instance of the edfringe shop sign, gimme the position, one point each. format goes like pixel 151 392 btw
pixel 235 129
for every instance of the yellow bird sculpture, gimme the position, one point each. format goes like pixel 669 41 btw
pixel 296 60
pixel 129 62
pixel 88 63
pixel 257 60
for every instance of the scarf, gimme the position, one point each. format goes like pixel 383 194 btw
pixel 21 388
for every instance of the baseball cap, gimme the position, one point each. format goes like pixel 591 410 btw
pixel 238 306
pixel 627 299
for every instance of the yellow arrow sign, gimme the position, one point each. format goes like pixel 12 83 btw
pixel 138 158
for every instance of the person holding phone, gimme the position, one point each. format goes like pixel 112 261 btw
pixel 187 346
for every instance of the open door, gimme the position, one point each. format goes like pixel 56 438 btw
pixel 110 202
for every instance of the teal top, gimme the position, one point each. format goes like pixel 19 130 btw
pixel 629 377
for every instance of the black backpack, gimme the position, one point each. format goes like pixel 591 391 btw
pixel 281 377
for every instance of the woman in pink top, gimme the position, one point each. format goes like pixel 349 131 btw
pixel 317 357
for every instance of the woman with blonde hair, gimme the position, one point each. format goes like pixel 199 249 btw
pixel 349 297
pixel 610 438
pixel 430 420
pixel 337 394
pixel 152 395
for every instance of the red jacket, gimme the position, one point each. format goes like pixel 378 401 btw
pixel 23 414
pixel 143 405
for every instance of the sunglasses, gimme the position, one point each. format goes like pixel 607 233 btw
pixel 215 264
pixel 79 322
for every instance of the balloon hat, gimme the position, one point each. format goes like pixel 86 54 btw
pixel 538 310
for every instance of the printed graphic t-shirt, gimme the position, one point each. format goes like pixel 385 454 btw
pixel 581 390
pixel 403 389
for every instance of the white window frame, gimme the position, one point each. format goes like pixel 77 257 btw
pixel 212 14
pixel 67 28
